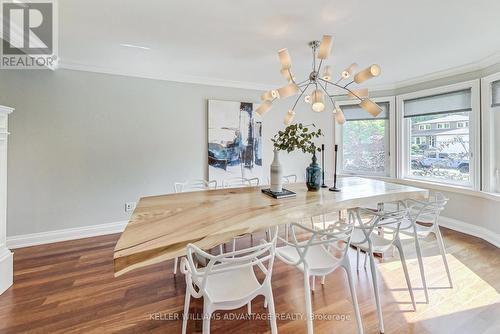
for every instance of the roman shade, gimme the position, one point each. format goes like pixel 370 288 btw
pixel 495 94
pixel 458 101
pixel 354 112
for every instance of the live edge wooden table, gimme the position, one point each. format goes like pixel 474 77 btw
pixel 162 226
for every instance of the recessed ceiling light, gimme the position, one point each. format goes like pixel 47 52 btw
pixel 135 46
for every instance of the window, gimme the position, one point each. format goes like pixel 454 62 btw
pixel 424 127
pixel 445 153
pixel 491 134
pixel 364 140
pixel 443 125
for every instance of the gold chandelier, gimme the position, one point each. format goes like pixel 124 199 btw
pixel 315 87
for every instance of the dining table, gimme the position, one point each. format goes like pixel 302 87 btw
pixel 162 226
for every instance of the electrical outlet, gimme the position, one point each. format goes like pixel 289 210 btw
pixel 129 206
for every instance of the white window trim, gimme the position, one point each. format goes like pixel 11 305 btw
pixel 391 140
pixel 403 137
pixel 487 131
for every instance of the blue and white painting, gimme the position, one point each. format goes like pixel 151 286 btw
pixel 234 140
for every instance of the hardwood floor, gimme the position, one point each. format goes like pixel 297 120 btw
pixel 69 287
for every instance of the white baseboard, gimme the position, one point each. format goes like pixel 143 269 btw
pixel 48 237
pixel 6 269
pixel 470 229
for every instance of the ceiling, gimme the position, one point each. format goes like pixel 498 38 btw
pixel 235 43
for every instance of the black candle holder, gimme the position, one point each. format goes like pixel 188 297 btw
pixel 323 185
pixel 334 188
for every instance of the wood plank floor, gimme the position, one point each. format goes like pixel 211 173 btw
pixel 69 287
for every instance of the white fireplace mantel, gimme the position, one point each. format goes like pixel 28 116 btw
pixel 6 259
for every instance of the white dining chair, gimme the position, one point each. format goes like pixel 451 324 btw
pixel 193 185
pixel 228 281
pixel 237 182
pixel 366 237
pixel 321 253
pixel 292 178
pixel 423 220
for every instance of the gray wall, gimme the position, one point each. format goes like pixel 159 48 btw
pixel 82 144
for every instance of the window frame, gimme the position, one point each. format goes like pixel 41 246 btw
pixel 390 138
pixel 404 129
pixel 488 149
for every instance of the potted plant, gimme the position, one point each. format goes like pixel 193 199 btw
pixel 297 137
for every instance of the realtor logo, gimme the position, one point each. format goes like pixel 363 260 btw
pixel 29 38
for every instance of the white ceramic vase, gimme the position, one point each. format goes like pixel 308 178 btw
pixel 276 173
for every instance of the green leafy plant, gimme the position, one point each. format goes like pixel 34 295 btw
pixel 297 137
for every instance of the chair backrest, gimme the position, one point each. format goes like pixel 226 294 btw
pixel 194 185
pixel 235 182
pixel 260 256
pixel 336 237
pixel 292 178
pixel 368 221
pixel 427 211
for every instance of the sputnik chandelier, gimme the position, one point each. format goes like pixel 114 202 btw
pixel 315 87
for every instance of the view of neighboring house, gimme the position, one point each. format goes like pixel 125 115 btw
pixel 449 134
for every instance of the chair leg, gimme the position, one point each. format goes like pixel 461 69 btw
pixel 405 269
pixel 272 313
pixel 347 268
pixel 421 266
pixel 249 307
pixel 207 315
pixel 307 291
pixel 323 280
pixel 442 249
pixel 220 249
pixel 376 293
pixel 357 258
pixel 176 260
pixel 366 258
pixel 313 283
pixel 185 315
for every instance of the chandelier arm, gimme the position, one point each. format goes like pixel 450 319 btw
pixel 291 76
pixel 301 93
pixel 319 67
pixel 344 88
pixel 326 92
pixel 349 84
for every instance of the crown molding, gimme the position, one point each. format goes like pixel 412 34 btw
pixel 5 109
pixel 459 70
pixel 199 80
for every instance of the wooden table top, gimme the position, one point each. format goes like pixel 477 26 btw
pixel 162 226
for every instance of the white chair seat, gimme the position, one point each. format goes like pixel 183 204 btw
pixel 231 286
pixel 380 245
pixel 318 259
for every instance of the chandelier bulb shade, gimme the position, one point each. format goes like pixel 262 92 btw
pixel 346 74
pixel 288 90
pixel 317 101
pixel 270 95
pixel 325 47
pixel 264 107
pixel 371 107
pixel 327 75
pixel 362 92
pixel 285 60
pixel 367 73
pixel 339 116
pixel 290 115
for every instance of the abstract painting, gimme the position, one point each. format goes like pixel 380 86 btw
pixel 234 141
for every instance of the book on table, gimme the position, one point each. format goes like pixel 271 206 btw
pixel 285 193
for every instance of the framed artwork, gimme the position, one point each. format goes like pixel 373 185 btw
pixel 234 141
